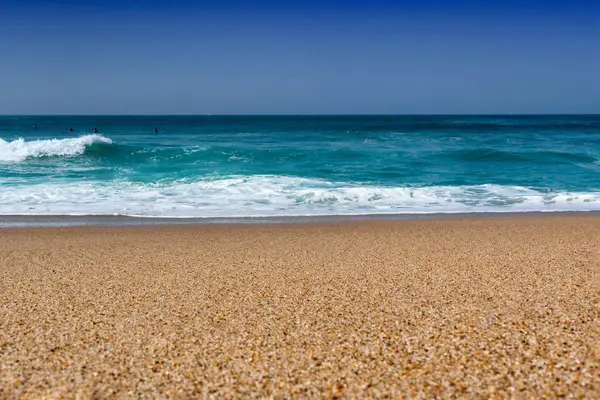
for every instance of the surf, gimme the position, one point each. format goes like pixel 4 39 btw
pixel 270 195
pixel 20 150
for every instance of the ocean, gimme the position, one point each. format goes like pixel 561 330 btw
pixel 289 166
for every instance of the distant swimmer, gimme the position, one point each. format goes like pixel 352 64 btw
pixel 155 130
pixel 34 126
pixel 70 129
pixel 95 130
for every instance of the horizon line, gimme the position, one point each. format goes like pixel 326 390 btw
pixel 303 115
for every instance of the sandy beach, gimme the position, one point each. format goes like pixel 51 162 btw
pixel 476 308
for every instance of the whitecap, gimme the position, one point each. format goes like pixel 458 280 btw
pixel 20 150
pixel 270 195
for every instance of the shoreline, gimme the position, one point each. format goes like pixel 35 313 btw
pixel 53 221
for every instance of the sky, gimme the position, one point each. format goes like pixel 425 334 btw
pixel 309 57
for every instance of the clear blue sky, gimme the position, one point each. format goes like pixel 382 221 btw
pixel 277 57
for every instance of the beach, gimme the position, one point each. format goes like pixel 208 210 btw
pixel 466 307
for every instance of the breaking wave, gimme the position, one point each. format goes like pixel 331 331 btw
pixel 20 150
pixel 267 195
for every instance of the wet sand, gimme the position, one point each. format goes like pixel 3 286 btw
pixel 479 308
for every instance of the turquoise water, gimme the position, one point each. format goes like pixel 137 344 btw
pixel 218 166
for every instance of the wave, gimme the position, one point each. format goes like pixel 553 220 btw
pixel 485 155
pixel 270 195
pixel 20 150
pixel 537 156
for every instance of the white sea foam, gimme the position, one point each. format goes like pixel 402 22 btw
pixel 277 196
pixel 20 150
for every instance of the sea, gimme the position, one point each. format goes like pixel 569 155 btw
pixel 290 166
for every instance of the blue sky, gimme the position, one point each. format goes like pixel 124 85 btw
pixel 241 57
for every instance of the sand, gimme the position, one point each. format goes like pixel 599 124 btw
pixel 476 308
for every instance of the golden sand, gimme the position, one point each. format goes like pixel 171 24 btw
pixel 478 308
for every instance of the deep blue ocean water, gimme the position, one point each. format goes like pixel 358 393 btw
pixel 226 166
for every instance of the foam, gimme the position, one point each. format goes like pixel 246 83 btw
pixel 20 150
pixel 268 195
